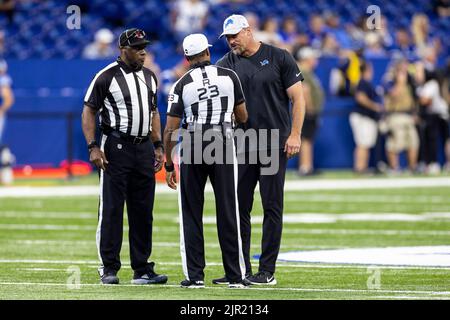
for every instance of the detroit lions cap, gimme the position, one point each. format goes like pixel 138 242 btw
pixel 234 24
pixel 194 44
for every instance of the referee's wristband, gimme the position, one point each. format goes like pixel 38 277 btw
pixel 158 144
pixel 169 168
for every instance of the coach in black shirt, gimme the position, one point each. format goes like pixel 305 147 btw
pixel 270 79
pixel 130 152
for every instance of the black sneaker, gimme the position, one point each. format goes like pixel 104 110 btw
pixel 224 280
pixel 109 278
pixel 192 284
pixel 239 285
pixel 150 277
pixel 263 278
pixel 221 281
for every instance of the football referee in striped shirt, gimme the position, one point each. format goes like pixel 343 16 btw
pixel 205 98
pixel 129 154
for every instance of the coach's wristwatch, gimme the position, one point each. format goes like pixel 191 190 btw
pixel 169 168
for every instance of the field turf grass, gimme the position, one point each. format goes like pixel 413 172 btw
pixel 43 240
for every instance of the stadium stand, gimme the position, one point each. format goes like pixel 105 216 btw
pixel 50 76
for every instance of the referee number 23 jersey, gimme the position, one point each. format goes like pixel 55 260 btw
pixel 124 97
pixel 206 94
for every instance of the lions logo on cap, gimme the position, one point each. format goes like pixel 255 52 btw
pixel 228 22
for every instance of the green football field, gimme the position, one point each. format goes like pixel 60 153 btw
pixel 47 243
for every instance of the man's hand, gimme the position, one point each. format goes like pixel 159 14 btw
pixel 171 179
pixel 292 146
pixel 98 158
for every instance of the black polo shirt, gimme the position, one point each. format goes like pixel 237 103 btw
pixel 368 89
pixel 265 77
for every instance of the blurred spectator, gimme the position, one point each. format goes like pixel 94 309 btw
pixel 334 27
pixel 269 32
pixel 330 46
pixel 403 46
pixel 253 21
pixel 358 31
pixel 314 99
pixel 387 41
pixel 364 119
pixel 218 2
pixel 442 8
pixel 101 48
pixel 170 76
pixel 316 31
pixel 346 76
pixel 151 64
pixel 446 79
pixel 400 108
pixel 436 118
pixel 429 58
pixel 6 95
pixel 373 48
pixel 420 29
pixel 289 32
pixel 188 16
pixel 2 43
pixel 8 7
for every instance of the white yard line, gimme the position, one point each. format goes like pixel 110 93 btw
pixel 94 264
pixel 351 198
pixel 257 218
pixel 297 185
pixel 47 227
pixel 253 288
pixel 48 215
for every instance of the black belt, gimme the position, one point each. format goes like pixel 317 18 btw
pixel 123 136
pixel 225 128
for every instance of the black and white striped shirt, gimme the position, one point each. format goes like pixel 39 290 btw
pixel 125 98
pixel 206 94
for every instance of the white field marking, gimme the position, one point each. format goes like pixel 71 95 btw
pixel 410 297
pixel 349 198
pixel 45 227
pixel 40 269
pixel 48 215
pixel 54 227
pixel 70 215
pixel 314 217
pixel 435 256
pixel 125 244
pixel 302 185
pixel 428 293
pixel 43 261
pixel 305 217
pixel 255 230
pixel 281 264
pixel 364 232
pixel 155 244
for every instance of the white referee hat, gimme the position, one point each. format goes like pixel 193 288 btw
pixel 194 44
pixel 234 24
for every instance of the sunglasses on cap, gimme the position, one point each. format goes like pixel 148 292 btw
pixel 139 34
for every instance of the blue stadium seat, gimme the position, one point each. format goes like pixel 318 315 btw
pixel 46 20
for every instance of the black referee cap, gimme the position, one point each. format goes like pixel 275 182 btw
pixel 133 38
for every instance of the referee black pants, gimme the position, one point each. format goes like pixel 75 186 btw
pixel 223 178
pixel 271 188
pixel 129 177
